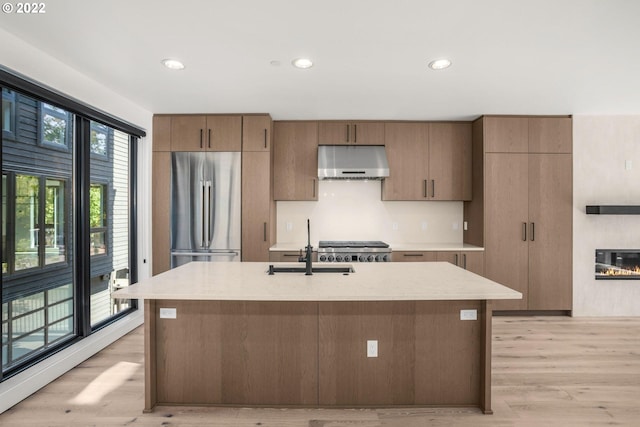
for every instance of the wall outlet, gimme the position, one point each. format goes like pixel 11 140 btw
pixel 468 314
pixel 372 348
pixel 288 226
pixel 424 225
pixel 628 165
pixel 168 313
pixel 394 226
pixel 455 225
pixel 465 225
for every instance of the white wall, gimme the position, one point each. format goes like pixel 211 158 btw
pixel 39 66
pixel 353 210
pixel 601 145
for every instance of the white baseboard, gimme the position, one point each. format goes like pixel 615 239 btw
pixel 27 382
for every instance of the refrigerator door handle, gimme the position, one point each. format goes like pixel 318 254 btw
pixel 206 221
pixel 210 213
pixel 202 242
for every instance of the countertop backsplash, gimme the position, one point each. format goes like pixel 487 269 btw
pixel 353 210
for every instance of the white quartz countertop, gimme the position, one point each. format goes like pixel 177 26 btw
pixel 286 247
pixel 249 281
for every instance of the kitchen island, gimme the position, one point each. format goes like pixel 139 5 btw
pixel 389 334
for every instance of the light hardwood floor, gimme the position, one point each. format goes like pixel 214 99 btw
pixel 547 371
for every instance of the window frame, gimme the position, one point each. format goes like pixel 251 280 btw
pixel 106 188
pixel 10 133
pixel 78 142
pixel 66 116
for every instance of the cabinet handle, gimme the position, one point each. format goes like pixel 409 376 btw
pixel 524 231
pixel 201 141
pixel 533 231
pixel 292 255
pixel 265 231
pixel 347 126
pixel 424 189
pixel 265 138
pixel 433 188
pixel 412 255
pixel 464 261
pixel 355 133
pixel 314 188
pixel 456 258
pixel 209 143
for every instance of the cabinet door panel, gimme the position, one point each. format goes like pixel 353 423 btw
pixel 450 161
pixel 334 133
pixel 256 199
pixel 407 147
pixel 550 135
pixel 188 133
pixel 224 133
pixel 506 134
pixel 506 253
pixel 161 133
pixel 161 212
pixel 473 261
pixel 368 133
pixel 449 256
pixel 550 244
pixel 256 133
pixel 295 151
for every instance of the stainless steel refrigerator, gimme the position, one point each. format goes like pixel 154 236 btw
pixel 205 207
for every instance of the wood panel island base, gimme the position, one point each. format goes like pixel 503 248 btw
pixel 229 334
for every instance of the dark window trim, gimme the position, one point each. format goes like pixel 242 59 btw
pixel 14 121
pixel 66 147
pixel 14 80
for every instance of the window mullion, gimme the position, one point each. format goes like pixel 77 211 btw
pixel 82 183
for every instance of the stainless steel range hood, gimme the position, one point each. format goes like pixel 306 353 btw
pixel 352 162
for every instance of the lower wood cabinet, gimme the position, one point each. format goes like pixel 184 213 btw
pixel 469 260
pixel 314 353
pixel 289 256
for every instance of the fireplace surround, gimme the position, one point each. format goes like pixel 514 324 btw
pixel 617 264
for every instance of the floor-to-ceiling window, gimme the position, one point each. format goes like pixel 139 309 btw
pixel 67 239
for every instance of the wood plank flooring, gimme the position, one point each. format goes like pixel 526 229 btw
pixel 547 371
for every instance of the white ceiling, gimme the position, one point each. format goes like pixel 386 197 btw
pixel 371 56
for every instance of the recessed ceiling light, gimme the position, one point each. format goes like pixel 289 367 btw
pixel 173 64
pixel 439 64
pixel 302 63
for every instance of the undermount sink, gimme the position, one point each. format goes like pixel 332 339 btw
pixel 346 269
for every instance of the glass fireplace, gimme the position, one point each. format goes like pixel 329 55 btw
pixel 612 264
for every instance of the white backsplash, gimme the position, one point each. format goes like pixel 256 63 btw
pixel 353 210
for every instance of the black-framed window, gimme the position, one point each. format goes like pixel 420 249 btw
pixel 98 218
pixel 8 113
pixel 56 126
pixel 58 158
pixel 100 138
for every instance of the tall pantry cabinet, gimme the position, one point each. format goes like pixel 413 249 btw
pixel 522 214
pixel 258 207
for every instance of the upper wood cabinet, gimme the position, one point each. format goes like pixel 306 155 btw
pixel 407 147
pixel 206 133
pixel 428 161
pixel 295 158
pixel 161 133
pixel 527 134
pixel 450 161
pixel 344 133
pixel 256 133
